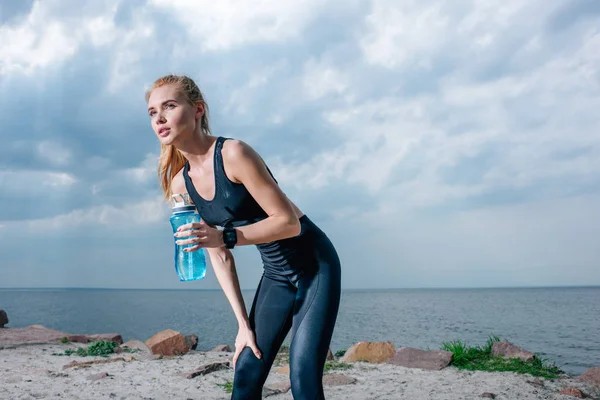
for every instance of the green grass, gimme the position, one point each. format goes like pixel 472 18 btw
pixel 227 386
pixel 332 366
pixel 340 353
pixel 101 348
pixel 480 358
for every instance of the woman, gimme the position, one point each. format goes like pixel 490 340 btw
pixel 232 188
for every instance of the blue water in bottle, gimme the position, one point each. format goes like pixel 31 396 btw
pixel 190 266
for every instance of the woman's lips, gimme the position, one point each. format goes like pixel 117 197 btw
pixel 164 132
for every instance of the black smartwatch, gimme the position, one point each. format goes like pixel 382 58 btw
pixel 229 237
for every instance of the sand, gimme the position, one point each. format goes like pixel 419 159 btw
pixel 33 372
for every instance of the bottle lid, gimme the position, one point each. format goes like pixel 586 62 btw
pixel 181 202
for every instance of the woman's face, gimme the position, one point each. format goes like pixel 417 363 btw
pixel 172 116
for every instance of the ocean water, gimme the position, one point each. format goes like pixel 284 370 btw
pixel 561 324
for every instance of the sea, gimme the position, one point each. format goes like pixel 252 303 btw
pixel 560 324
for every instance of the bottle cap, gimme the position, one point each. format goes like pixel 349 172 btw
pixel 181 202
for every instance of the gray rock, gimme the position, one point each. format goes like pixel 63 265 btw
pixel 433 360
pixel 191 341
pixel 222 347
pixel 3 318
pixel 508 350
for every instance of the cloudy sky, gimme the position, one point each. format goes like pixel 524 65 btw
pixel 439 144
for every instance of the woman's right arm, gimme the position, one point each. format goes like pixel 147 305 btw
pixel 223 264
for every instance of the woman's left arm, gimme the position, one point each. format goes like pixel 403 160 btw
pixel 245 166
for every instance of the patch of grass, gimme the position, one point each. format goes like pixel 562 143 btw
pixel 227 386
pixel 285 348
pixel 101 348
pixel 480 358
pixel 340 353
pixel 332 366
pixel 65 340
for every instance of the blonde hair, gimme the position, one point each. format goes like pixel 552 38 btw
pixel 171 160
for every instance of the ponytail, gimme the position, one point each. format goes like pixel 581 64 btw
pixel 169 164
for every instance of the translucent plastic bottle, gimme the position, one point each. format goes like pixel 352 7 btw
pixel 189 265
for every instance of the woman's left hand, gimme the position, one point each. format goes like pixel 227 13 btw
pixel 204 236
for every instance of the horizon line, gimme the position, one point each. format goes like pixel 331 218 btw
pixel 350 289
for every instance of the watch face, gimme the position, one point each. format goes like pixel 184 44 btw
pixel 229 237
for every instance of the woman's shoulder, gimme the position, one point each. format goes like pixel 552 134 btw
pixel 236 150
pixel 178 183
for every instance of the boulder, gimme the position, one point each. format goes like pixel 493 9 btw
pixel 591 376
pixel 3 318
pixel 508 350
pixel 222 347
pixel 433 360
pixel 29 335
pixel 373 352
pixel 167 343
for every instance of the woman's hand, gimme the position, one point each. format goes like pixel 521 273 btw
pixel 203 236
pixel 245 338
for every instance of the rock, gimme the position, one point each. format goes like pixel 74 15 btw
pixel 508 350
pixel 3 318
pixel 488 395
pixel 29 335
pixel 97 377
pixel 77 338
pixel 337 380
pixel 276 388
pixel 78 364
pixel 433 360
pixel 330 356
pixel 142 353
pixel 207 369
pixel 373 352
pixel 191 341
pixel 107 337
pixel 571 391
pixel 283 370
pixel 591 376
pixel 167 343
pixel 222 347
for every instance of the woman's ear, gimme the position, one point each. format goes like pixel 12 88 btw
pixel 199 110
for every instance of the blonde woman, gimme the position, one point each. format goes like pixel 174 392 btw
pixel 232 188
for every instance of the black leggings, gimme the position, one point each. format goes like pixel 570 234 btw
pixel 308 304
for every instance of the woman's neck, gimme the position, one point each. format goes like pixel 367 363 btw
pixel 197 149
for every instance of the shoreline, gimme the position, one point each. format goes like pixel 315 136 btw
pixel 39 368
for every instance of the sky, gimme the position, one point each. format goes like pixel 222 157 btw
pixel 438 144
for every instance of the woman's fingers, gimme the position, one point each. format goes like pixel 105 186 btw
pixel 238 350
pixel 255 349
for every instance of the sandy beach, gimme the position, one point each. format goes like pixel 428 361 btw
pixel 31 371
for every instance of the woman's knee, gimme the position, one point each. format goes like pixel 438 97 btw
pixel 249 376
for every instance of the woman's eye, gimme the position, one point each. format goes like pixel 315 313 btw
pixel 170 105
